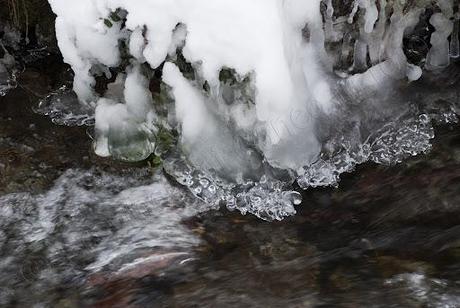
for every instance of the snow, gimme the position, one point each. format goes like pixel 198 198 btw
pixel 290 80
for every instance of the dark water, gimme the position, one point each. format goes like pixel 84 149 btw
pixel 80 231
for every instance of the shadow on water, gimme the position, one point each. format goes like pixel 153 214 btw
pixel 78 230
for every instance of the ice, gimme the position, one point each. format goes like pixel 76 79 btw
pixel 7 71
pixel 190 107
pixel 208 143
pixel 255 95
pixel 330 33
pixel 137 44
pixel 276 73
pixel 438 56
pixel 370 16
pixel 125 122
pixel 119 134
pixel 454 42
pixel 360 56
pixel 63 107
pixel 8 60
pixel 83 40
pixel 137 95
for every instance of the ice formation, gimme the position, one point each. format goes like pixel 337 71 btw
pixel 7 70
pixel 242 98
pixel 15 53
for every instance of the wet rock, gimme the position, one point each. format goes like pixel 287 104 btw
pixel 391 266
pixel 341 280
pixel 150 265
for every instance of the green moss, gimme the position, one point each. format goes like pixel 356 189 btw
pixel 156 161
pixel 165 141
pixel 227 75
pixel 115 16
pixel 108 23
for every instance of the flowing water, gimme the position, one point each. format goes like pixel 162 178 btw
pixel 82 231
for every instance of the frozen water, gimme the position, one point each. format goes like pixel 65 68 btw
pixel 7 70
pixel 250 97
pixel 438 57
pixel 63 107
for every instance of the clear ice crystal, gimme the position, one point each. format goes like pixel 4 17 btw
pixel 63 108
pixel 268 199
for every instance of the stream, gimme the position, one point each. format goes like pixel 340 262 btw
pixel 81 231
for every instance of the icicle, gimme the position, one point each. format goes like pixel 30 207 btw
pixel 365 37
pixel 346 49
pixel 376 45
pixel 438 56
pixel 454 41
pixel 124 129
pixel 7 60
pixel 413 72
pixel 360 56
pixel 354 10
pixel 370 16
pixel 330 33
pixel 137 44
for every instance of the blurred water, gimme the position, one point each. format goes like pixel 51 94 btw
pixel 80 231
pixel 90 221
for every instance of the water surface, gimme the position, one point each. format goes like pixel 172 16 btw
pixel 80 231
